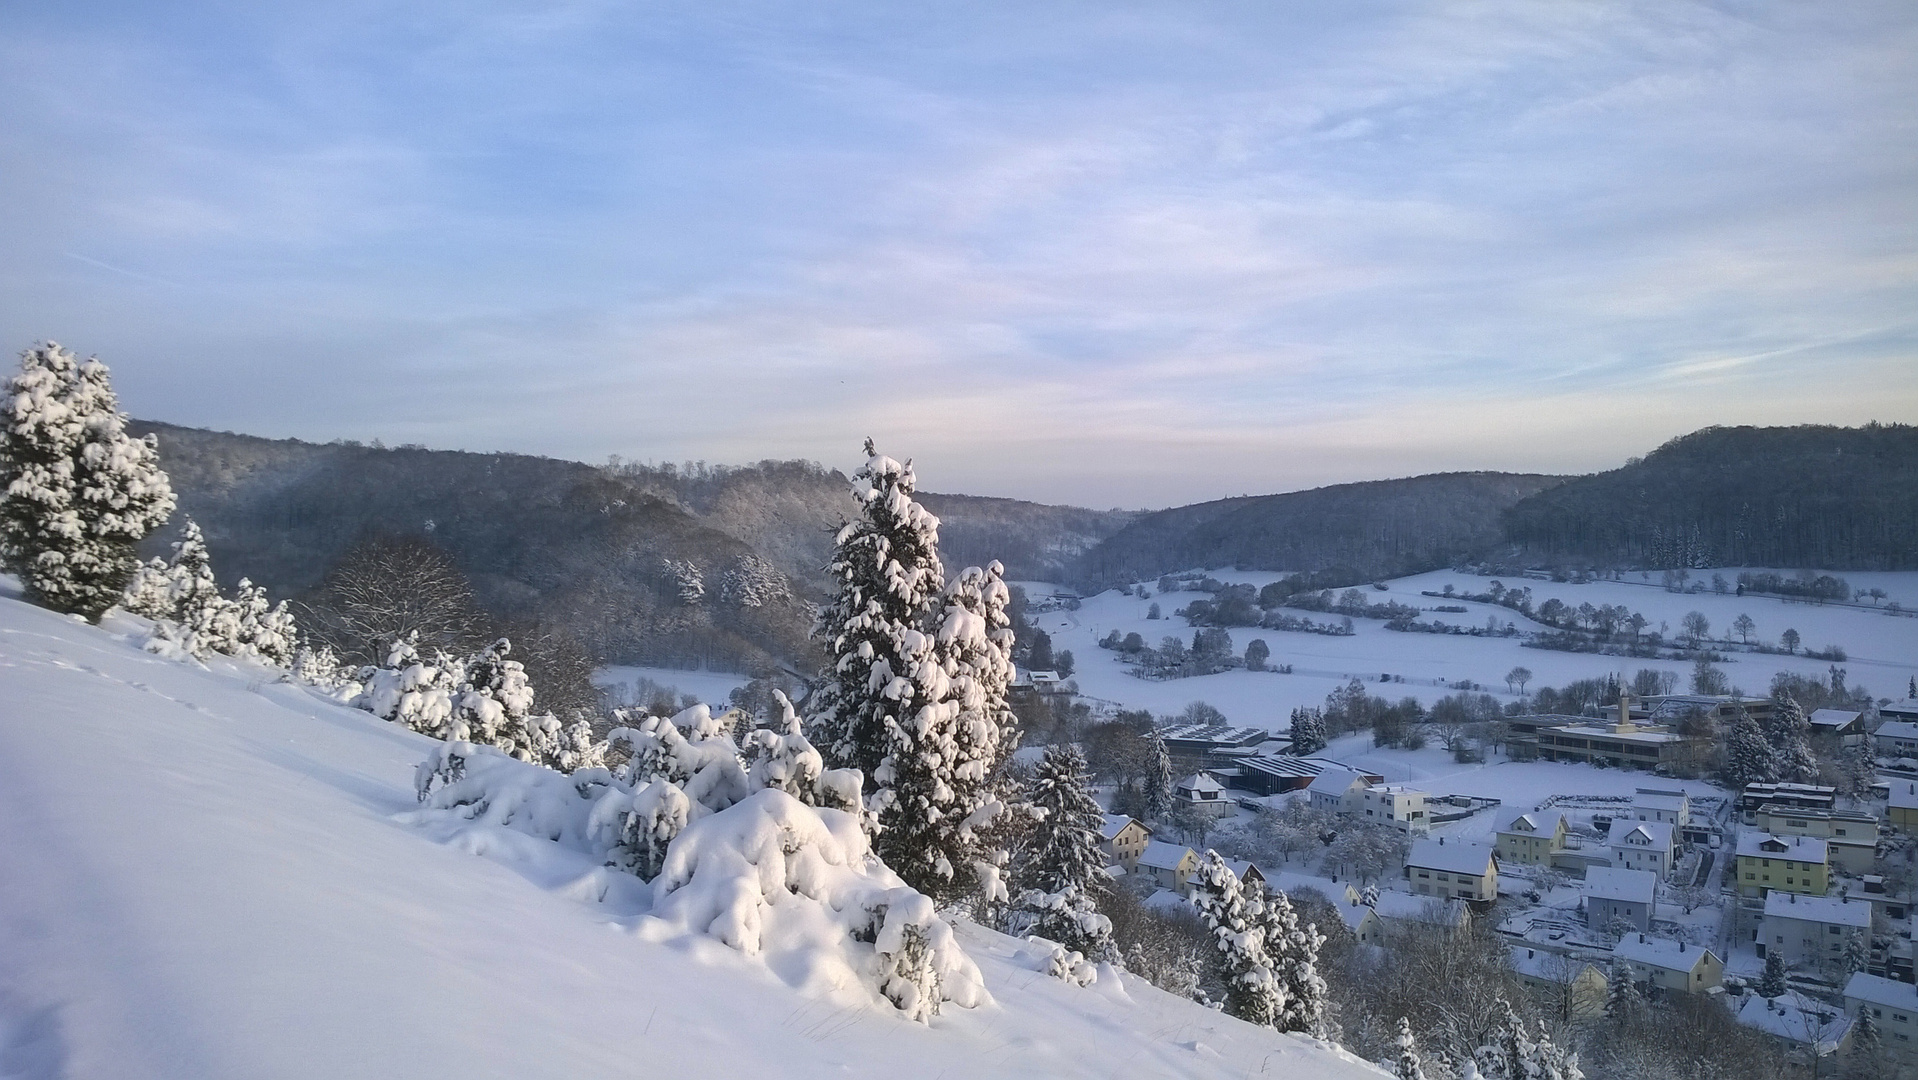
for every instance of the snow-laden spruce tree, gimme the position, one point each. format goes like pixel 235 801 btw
pixel 780 756
pixel 76 492
pixel 886 573
pixel 1308 731
pixel 1253 992
pixel 1293 951
pixel 1772 983
pixel 1155 792
pixel 1059 866
pixel 1408 1066
pixel 754 582
pixel 1624 1004
pixel 267 630
pixel 1790 736
pixel 1749 758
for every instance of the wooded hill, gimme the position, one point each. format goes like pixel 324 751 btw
pixel 1813 496
pixel 1376 529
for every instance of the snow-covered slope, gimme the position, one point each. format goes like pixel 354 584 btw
pixel 211 874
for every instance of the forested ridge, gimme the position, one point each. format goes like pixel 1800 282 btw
pixel 1813 496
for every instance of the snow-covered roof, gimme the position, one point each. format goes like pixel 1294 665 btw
pixel 1660 800
pixel 1394 904
pixel 1648 835
pixel 1243 868
pixel 1540 822
pixel 1882 991
pixel 1791 1015
pixel 1335 781
pixel 1393 789
pixel 1216 734
pixel 1631 886
pixel 1291 881
pixel 1199 781
pixel 1159 855
pixel 1457 858
pixel 1897 729
pixel 1353 913
pixel 1543 964
pixel 1765 845
pixel 1669 954
pixel 1835 910
pixel 1114 825
pixel 1904 796
pixel 1907 707
pixel 1833 718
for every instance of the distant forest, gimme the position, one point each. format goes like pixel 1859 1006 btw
pixel 633 560
pixel 1828 497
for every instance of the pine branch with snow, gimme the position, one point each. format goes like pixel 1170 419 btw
pixel 1253 991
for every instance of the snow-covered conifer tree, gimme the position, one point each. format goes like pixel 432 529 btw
pixel 267 630
pixel 1308 731
pixel 1748 756
pixel 885 565
pixel 147 591
pixel 781 757
pixel 1623 1003
pixel 1253 992
pixel 76 492
pixel 1155 793
pixel 689 579
pixel 1771 983
pixel 1408 1067
pixel 753 582
pixel 1508 1052
pixel 493 700
pixel 1059 866
pixel 1293 951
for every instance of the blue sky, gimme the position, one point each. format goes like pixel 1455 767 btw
pixel 1109 254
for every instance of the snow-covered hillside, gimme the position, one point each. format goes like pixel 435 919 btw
pixel 1882 647
pixel 214 874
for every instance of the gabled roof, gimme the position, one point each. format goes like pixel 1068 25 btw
pixel 1459 858
pixel 1543 964
pixel 1199 781
pixel 1669 954
pixel 1882 991
pixel 1834 910
pixel 1159 855
pixel 1797 848
pixel 1897 729
pixel 1291 881
pixel 1904 795
pixel 1114 825
pixel 1243 869
pixel 1538 822
pixel 1834 718
pixel 1630 886
pixel 1791 1015
pixel 1393 904
pixel 1335 782
pixel 1647 835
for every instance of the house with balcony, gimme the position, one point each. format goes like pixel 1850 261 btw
pixel 1851 836
pixel 1642 845
pixel 1768 862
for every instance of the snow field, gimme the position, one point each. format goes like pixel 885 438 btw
pixel 209 873
pixel 1882 648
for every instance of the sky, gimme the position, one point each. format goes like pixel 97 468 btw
pixel 1107 254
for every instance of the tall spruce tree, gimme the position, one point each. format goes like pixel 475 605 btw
pixel 1294 954
pixel 1749 758
pixel 936 792
pixel 1155 793
pixel 1772 983
pixel 1253 991
pixel 1308 731
pixel 1059 866
pixel 76 492
pixel 885 565
pixel 1408 1066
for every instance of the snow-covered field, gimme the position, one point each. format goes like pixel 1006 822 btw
pixel 711 687
pixel 1882 648
pixel 213 874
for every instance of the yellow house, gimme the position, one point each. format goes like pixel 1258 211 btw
pixel 1532 838
pixel 1570 990
pixel 1123 840
pixel 1902 809
pixel 1792 863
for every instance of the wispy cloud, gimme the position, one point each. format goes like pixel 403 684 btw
pixel 1116 256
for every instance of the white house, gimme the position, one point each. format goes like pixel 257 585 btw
pixel 1896 738
pixel 1170 866
pixel 1671 964
pixel 1462 871
pixel 1397 805
pixel 1642 845
pixel 1797 1019
pixel 1203 794
pixel 1123 840
pixel 1613 893
pixel 1405 910
pixel 1336 789
pixel 1672 807
pixel 1811 929
pixel 1894 1008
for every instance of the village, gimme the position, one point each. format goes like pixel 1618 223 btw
pixel 1789 903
